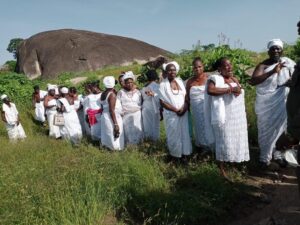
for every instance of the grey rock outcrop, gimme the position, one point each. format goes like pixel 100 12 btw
pixel 50 53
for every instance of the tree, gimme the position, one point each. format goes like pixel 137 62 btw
pixel 13 46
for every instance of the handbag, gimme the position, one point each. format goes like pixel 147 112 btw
pixel 59 119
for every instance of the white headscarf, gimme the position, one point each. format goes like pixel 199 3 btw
pixel 51 87
pixel 64 90
pixel 164 66
pixel 275 42
pixel 4 96
pixel 109 82
pixel 128 75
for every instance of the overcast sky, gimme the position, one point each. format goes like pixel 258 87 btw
pixel 169 24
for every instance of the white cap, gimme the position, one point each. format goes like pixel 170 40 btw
pixel 275 42
pixel 109 81
pixel 129 75
pixel 3 97
pixel 64 90
pixel 164 66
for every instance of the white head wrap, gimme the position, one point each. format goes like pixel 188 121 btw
pixel 3 97
pixel 51 87
pixel 164 66
pixel 128 75
pixel 275 42
pixel 109 82
pixel 64 90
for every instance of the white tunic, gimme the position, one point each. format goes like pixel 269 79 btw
pixel 80 112
pixel 93 102
pixel 39 107
pixel 107 125
pixel 270 109
pixel 72 128
pixel 150 112
pixel 197 106
pixel 229 130
pixel 177 127
pixel 11 115
pixel 132 116
pixel 54 130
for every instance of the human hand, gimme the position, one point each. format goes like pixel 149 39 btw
pixel 236 91
pixel 278 67
pixel 116 131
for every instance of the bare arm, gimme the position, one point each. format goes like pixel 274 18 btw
pixel 3 117
pixel 214 91
pixel 260 76
pixel 168 106
pixel 112 104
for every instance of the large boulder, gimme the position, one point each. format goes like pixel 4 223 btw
pixel 50 53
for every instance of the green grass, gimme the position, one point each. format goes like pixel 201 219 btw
pixel 45 181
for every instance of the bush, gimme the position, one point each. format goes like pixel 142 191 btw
pixel 11 64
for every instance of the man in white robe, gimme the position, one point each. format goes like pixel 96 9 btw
pixel 10 116
pixel 270 77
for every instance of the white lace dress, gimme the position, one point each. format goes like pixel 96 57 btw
pixel 131 102
pixel 227 116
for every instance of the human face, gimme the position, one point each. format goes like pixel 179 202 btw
pixel 36 90
pixel 275 52
pixel 52 92
pixel 171 72
pixel 226 69
pixel 128 85
pixel 198 68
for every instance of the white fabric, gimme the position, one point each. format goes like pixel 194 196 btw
pixel 177 127
pixel 3 96
pixel 11 115
pixel 51 87
pixel 72 128
pixel 64 90
pixel 93 102
pixel 231 136
pixel 150 112
pixel 197 94
pixel 109 82
pixel 107 125
pixel 128 75
pixel 54 130
pixel 132 119
pixel 271 112
pixel 39 107
pixel 164 66
pixel 275 42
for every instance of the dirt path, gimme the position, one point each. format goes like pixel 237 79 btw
pixel 279 202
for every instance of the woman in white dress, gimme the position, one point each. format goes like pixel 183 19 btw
pixel 93 111
pixel 195 88
pixel 112 136
pixel 226 123
pixel 172 97
pixel 151 107
pixel 131 101
pixel 72 129
pixel 50 104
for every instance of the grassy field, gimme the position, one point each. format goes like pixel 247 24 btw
pixel 45 181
